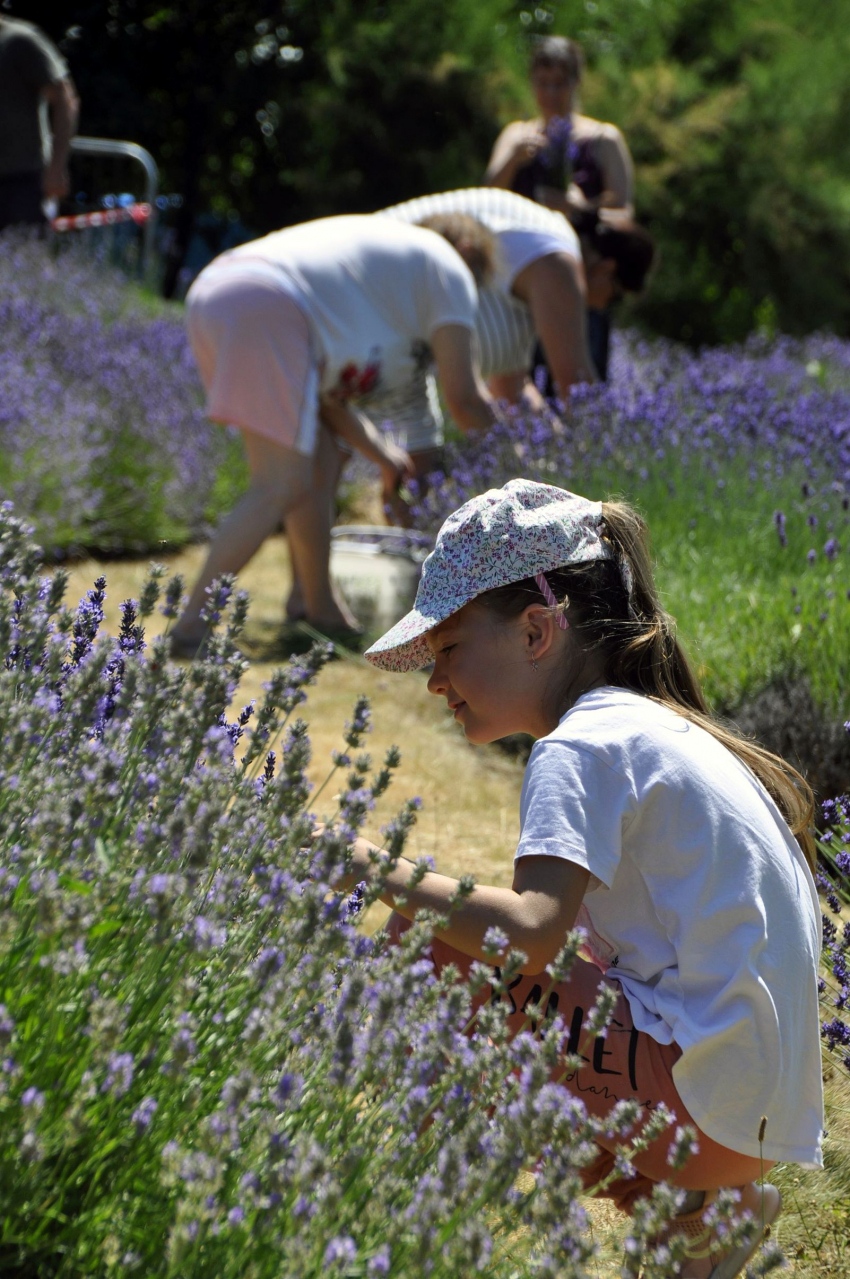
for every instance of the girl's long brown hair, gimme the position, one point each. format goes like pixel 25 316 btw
pixel 638 640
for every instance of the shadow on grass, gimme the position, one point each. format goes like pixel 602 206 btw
pixel 277 643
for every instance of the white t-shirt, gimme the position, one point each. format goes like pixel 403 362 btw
pixel 700 903
pixel 374 290
pixel 525 231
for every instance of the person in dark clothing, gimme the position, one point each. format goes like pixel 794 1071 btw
pixel 570 162
pixel 38 118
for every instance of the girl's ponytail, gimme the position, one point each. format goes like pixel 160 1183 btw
pixel 646 656
pixel 653 662
pixel 614 607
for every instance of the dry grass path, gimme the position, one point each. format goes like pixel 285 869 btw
pixel 469 822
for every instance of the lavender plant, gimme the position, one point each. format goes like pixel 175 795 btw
pixel 207 1068
pixel 769 419
pixel 740 460
pixel 104 440
pixel 834 883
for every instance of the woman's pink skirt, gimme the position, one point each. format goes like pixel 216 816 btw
pixel 255 352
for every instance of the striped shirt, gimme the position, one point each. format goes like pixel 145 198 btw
pixel 504 330
pixel 525 231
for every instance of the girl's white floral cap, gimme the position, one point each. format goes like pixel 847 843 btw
pixel 503 536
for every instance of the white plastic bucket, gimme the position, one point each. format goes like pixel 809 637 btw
pixel 377 569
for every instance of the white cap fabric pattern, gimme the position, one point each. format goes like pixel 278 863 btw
pixel 502 536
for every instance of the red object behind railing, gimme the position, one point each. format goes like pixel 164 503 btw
pixel 138 213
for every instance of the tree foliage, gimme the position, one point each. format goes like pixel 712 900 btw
pixel 737 113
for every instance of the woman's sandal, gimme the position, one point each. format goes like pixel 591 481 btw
pixel 185 647
pixel 709 1258
pixel 302 635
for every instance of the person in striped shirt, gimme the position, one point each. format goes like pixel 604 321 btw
pixel 546 277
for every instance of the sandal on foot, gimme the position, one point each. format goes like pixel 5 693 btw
pixel 344 638
pixel 709 1257
pixel 184 646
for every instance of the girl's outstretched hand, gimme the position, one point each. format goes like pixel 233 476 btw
pixel 360 860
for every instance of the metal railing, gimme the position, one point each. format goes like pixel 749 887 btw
pixel 112 148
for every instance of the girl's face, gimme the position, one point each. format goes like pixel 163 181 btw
pixel 482 666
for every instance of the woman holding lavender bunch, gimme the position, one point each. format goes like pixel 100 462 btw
pixel 570 162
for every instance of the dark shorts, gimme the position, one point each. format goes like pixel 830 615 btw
pixel 623 1064
pixel 21 198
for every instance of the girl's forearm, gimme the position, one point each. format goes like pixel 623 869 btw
pixel 486 907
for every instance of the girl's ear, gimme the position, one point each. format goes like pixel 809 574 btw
pixel 538 631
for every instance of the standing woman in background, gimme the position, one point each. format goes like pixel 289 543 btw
pixel 567 161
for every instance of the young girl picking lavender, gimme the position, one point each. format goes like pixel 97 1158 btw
pixel 682 850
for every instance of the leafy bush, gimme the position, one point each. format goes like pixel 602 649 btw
pixel 736 113
pixel 103 440
pixel 207 1069
pixel 786 718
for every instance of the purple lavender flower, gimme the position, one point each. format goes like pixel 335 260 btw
pixel 207 934
pixel 144 1113
pixel 288 1089
pixel 173 597
pixel 683 1146
pixel 495 942
pixel 779 521
pixel 268 962
pixel 379 1262
pixel 836 1032
pixel 32 1099
pixel 217 597
pixel 7 1026
pixel 557 157
pixel 119 1074
pixel 341 1249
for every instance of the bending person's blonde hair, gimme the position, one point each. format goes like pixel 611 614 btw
pixel 476 244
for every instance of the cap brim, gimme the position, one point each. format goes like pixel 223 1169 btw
pixel 404 647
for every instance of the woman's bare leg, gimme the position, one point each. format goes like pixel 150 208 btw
pixel 329 463
pixel 281 479
pixel 308 528
pixel 424 462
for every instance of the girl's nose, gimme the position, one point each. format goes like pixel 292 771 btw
pixel 437 682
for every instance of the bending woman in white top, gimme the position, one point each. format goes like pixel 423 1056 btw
pixel 683 851
pixel 290 332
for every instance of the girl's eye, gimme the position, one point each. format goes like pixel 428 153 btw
pixel 448 648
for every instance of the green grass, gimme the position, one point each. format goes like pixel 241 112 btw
pixel 730 584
